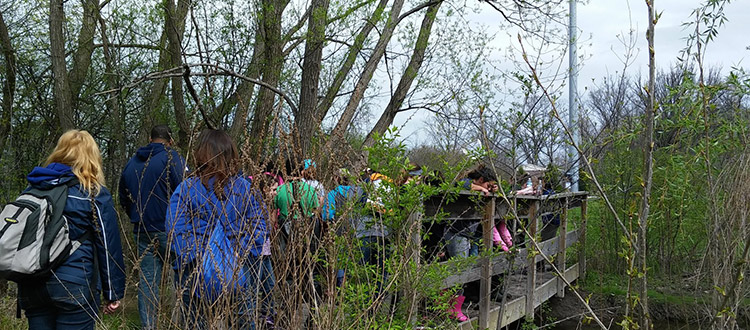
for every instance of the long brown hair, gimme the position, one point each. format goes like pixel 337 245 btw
pixel 78 150
pixel 216 157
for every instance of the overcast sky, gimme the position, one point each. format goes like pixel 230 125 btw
pixel 601 21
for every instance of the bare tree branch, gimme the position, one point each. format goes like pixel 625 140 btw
pixel 218 71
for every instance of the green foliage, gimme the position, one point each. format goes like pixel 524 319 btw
pixel 366 286
pixel 8 320
pixel 684 137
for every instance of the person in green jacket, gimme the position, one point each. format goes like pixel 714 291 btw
pixel 298 237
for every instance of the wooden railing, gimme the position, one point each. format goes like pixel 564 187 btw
pixel 525 291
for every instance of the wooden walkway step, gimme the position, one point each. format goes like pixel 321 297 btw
pixel 546 288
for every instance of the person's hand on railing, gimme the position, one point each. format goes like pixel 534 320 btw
pixel 483 190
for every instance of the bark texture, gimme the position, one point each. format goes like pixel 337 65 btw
pixel 61 89
pixel 305 120
pixel 272 64
pixel 648 171
pixel 175 17
pixel 9 84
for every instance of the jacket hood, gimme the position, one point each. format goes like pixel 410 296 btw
pixel 52 175
pixel 149 150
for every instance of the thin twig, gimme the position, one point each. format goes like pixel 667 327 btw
pixel 191 90
pixel 577 147
pixel 217 71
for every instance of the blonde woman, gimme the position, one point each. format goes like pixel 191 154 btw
pixel 70 297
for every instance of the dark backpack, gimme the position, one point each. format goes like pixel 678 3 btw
pixel 34 238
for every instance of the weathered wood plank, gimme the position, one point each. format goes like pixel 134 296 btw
pixel 531 262
pixel 549 288
pixel 485 285
pixel 515 308
pixel 501 264
pixel 562 248
pixel 513 311
pixel 544 291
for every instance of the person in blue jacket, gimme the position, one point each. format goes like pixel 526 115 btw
pixel 70 297
pixel 346 202
pixel 146 183
pixel 215 198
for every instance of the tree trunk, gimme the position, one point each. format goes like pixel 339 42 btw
pixel 85 49
pixel 415 63
pixel 348 62
pixel 174 38
pixel 67 86
pixel 305 120
pixel 115 151
pixel 648 172
pixel 153 109
pixel 9 86
pixel 61 90
pixel 244 92
pixel 366 76
pixel 272 64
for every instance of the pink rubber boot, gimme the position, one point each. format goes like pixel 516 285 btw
pixel 497 240
pixel 496 236
pixel 505 234
pixel 455 311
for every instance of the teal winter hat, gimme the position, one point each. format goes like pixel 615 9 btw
pixel 309 163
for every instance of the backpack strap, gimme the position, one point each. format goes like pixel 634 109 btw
pixel 58 196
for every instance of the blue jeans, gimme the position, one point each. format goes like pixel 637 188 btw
pixel 58 305
pixel 459 246
pixel 152 251
pixel 195 309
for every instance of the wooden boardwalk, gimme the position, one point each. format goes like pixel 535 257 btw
pixel 522 294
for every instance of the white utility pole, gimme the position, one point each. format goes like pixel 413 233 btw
pixel 573 156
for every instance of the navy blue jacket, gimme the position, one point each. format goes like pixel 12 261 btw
pixel 146 184
pixel 99 217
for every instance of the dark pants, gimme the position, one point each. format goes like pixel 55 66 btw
pixel 549 230
pixel 60 305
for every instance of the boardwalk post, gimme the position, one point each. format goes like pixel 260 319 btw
pixel 531 267
pixel 582 240
pixel 485 284
pixel 561 243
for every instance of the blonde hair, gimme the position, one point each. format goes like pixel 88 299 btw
pixel 78 150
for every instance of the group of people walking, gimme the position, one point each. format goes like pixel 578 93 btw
pixel 191 219
pixel 210 223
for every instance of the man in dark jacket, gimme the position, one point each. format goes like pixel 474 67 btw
pixel 146 184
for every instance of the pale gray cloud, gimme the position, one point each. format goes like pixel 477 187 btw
pixel 600 22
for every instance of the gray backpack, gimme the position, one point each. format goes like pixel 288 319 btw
pixel 34 234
